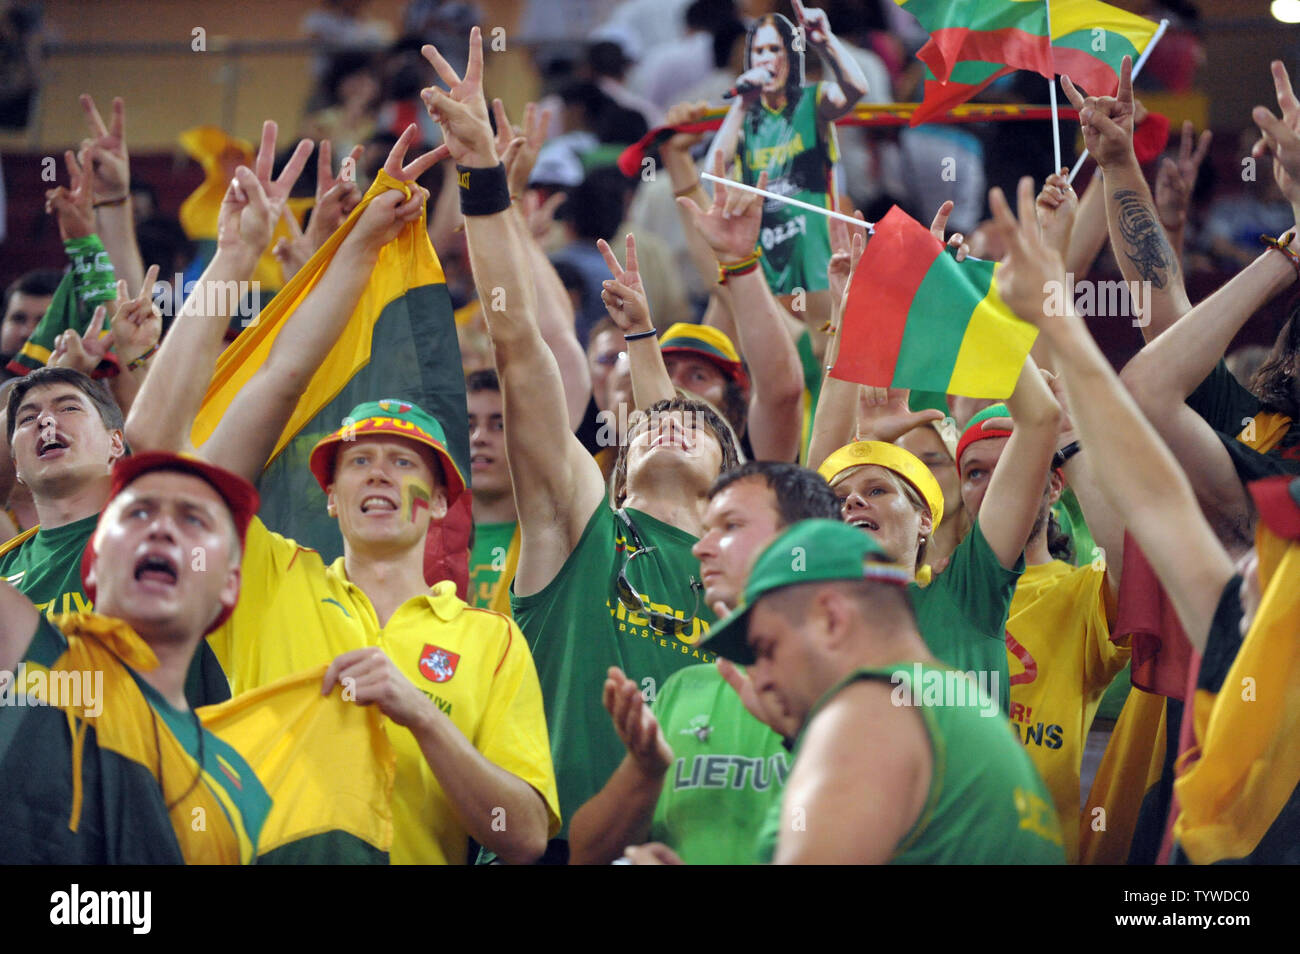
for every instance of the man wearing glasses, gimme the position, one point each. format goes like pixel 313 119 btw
pixel 596 585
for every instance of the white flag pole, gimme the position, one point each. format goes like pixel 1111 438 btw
pixel 732 184
pixel 1051 89
pixel 1137 68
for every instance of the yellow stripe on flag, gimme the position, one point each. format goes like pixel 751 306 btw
pixel 35 352
pixel 406 262
pixel 1073 16
pixel 993 349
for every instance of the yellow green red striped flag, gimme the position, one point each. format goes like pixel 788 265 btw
pixel 918 318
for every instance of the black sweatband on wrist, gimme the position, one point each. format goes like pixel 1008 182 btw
pixel 483 191
pixel 1060 458
pixel 641 334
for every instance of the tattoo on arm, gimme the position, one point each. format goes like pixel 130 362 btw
pixel 1148 247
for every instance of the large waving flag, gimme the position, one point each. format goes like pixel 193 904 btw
pixel 400 343
pixel 918 318
pixel 972 44
pixel 325 762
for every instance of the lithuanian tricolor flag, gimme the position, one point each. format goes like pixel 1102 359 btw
pixel 974 43
pixel 918 318
pixel 400 343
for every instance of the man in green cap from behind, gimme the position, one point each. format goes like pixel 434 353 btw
pixel 898 759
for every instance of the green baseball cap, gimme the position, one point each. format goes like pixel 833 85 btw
pixel 810 551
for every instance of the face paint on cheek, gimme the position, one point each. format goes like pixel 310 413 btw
pixel 416 495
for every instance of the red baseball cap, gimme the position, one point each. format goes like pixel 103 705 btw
pixel 239 495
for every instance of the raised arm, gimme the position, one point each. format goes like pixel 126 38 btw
pixel 257 415
pixel 730 227
pixel 1174 184
pixel 625 301
pixel 1150 492
pixel 558 484
pixel 850 85
pixel 1016 487
pixel 104 156
pixel 835 418
pixel 1141 247
pixel 555 319
pixel 174 389
pixel 1088 236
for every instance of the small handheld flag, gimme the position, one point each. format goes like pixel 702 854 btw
pixel 918 318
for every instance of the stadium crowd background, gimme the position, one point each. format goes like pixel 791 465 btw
pixel 352 72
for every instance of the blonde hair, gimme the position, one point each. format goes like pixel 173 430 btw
pixel 910 493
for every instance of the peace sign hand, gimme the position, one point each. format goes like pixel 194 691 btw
pixel 73 204
pixel 1175 179
pixel 624 296
pixel 1107 121
pixel 137 325
pixel 335 198
pixel 461 110
pixel 105 151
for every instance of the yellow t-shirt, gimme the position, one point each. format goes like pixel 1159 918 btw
pixel 1060 660
pixel 296 613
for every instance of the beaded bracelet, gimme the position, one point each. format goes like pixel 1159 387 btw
pixel 1284 246
pixel 136 363
pixel 736 269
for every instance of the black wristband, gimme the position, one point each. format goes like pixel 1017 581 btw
pixel 1060 458
pixel 641 334
pixel 483 191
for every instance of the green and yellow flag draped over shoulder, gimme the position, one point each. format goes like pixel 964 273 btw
pixel 399 343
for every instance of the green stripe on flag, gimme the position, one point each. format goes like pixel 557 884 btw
pixel 981 15
pixel 936 324
pixel 1114 46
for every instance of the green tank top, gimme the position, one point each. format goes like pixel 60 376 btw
pixel 986 805
pixel 46 568
pixel 577 628
pixel 798 151
pixel 962 613
pixel 487 561
pixel 728 770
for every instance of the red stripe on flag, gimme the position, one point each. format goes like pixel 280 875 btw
pixel 896 261
pixel 941 97
pixel 1093 75
pixel 1026 51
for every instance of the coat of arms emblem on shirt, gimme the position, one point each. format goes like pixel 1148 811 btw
pixel 436 664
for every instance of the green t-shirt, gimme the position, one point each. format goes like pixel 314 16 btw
pixel 487 561
pixel 962 614
pixel 46 568
pixel 1228 407
pixel 728 770
pixel 798 151
pixel 577 628
pixel 986 804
